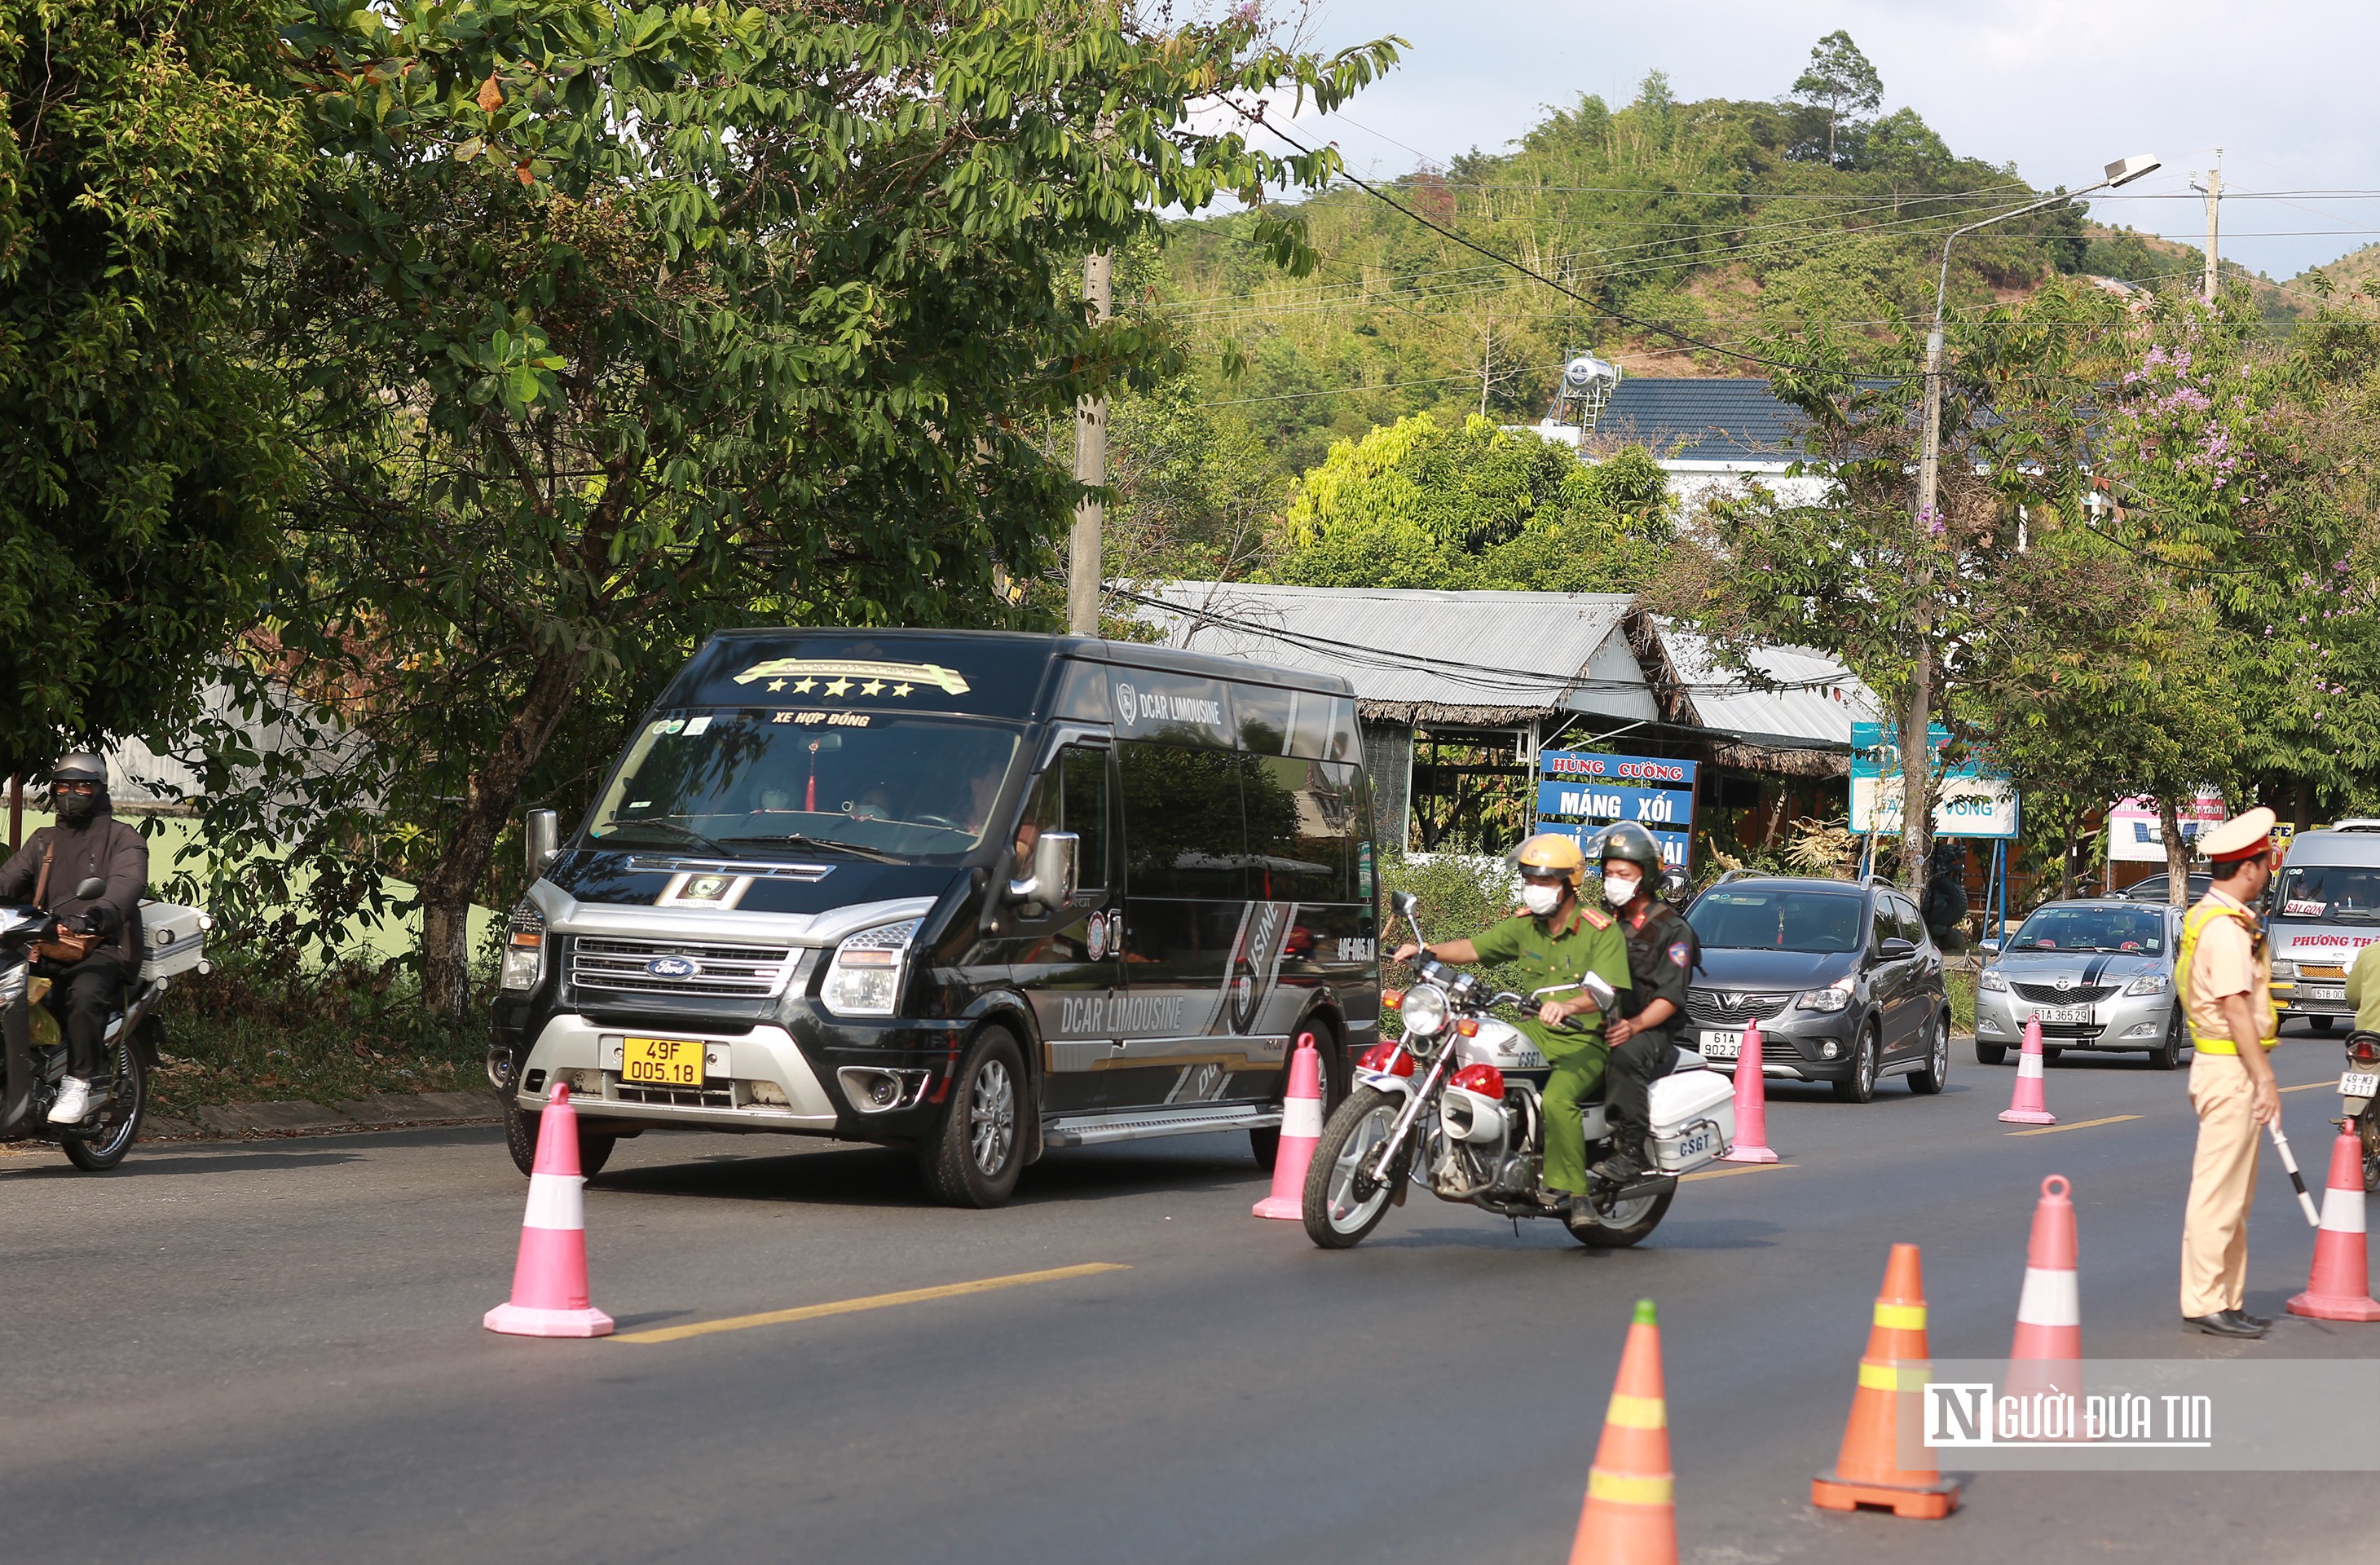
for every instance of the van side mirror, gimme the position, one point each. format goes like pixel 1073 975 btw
pixel 91 889
pixel 1055 857
pixel 542 831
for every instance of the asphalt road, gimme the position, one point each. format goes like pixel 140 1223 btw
pixel 273 1350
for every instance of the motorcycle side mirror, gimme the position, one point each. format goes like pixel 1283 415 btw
pixel 91 889
pixel 1405 902
pixel 1606 997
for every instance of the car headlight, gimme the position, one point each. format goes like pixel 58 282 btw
pixel 1834 997
pixel 524 949
pixel 1424 1009
pixel 864 979
pixel 2280 970
pixel 2147 983
pixel 1992 978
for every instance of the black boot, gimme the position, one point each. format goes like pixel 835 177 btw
pixel 1627 1163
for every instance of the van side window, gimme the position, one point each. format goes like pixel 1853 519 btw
pixel 1304 818
pixel 1182 828
pixel 1082 809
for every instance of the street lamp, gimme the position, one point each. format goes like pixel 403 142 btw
pixel 1916 823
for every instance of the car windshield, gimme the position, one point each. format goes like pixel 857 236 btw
pixel 2334 893
pixel 2093 929
pixel 1745 918
pixel 898 787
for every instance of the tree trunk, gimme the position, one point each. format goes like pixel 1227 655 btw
pixel 487 805
pixel 1917 770
pixel 2066 877
pixel 2177 852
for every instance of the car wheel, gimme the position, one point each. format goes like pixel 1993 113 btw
pixel 2050 1056
pixel 1928 1078
pixel 972 1159
pixel 2167 1055
pixel 1860 1085
pixel 1990 1053
pixel 520 1140
pixel 2321 1024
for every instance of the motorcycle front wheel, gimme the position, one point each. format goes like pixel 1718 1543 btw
pixel 1342 1205
pixel 119 1120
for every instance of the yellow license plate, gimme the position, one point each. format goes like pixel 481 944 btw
pixel 662 1061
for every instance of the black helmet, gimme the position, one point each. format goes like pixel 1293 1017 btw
pixel 79 766
pixel 1628 840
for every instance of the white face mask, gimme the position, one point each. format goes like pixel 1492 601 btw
pixel 1620 889
pixel 1540 900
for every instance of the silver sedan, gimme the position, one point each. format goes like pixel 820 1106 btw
pixel 2097 975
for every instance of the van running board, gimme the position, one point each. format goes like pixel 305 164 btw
pixel 1096 1130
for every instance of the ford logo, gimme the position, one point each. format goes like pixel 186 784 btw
pixel 673 967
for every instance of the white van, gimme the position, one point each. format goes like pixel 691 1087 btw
pixel 2325 909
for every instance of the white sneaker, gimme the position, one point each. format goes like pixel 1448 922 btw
pixel 75 1101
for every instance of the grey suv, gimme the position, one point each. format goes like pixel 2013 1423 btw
pixel 1842 977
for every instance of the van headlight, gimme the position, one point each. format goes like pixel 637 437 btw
pixel 2285 970
pixel 1834 997
pixel 2147 983
pixel 1424 1009
pixel 864 979
pixel 524 949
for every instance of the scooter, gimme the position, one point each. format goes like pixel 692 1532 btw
pixel 2359 1087
pixel 171 941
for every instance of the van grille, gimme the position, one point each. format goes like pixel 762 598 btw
pixel 732 972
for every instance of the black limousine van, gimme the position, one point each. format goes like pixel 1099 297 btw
pixel 974 893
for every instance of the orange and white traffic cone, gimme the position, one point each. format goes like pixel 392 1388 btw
pixel 1631 1515
pixel 2029 1104
pixel 549 1278
pixel 2045 1359
pixel 1751 1105
pixel 1892 1374
pixel 1301 1127
pixel 2340 1285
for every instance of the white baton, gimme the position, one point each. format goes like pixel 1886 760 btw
pixel 2281 1145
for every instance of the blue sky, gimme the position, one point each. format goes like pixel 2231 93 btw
pixel 2058 88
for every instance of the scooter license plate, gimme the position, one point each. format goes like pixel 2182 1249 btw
pixel 1722 1046
pixel 663 1061
pixel 2360 1084
pixel 2049 1013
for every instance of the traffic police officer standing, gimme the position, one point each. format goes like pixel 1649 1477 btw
pixel 1556 941
pixel 2226 984
pixel 1662 952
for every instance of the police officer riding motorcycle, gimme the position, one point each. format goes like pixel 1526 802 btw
pixel 1662 955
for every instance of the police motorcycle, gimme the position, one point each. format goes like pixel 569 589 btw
pixel 172 942
pixel 2359 1090
pixel 1455 1107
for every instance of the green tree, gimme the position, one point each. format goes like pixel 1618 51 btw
pixel 141 167
pixel 624 324
pixel 1840 81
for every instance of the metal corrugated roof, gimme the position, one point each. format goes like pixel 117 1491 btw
pixel 1821 701
pixel 1523 651
pixel 1703 420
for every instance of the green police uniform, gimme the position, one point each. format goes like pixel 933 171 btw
pixel 1588 940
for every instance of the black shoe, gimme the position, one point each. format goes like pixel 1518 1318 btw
pixel 2229 1323
pixel 1620 1167
pixel 2263 1323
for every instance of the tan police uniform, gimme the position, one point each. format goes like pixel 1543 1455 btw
pixel 2222 953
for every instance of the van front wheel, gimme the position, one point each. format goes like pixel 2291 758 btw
pixel 973 1156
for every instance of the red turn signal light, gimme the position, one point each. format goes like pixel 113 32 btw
pixel 1484 1079
pixel 1388 1057
pixel 1468 1026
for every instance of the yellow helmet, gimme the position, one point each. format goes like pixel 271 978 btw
pixel 1551 853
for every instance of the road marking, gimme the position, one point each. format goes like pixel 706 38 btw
pixel 2079 1124
pixel 873 1302
pixel 1727 1174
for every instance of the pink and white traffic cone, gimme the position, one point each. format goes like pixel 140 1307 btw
pixel 2029 1104
pixel 1751 1105
pixel 2046 1358
pixel 2340 1285
pixel 549 1278
pixel 1301 1127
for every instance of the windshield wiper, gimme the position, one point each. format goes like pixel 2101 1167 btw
pixel 804 840
pixel 685 834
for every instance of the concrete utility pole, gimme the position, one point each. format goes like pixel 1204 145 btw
pixel 2214 189
pixel 1085 574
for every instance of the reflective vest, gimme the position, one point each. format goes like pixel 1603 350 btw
pixel 2193 924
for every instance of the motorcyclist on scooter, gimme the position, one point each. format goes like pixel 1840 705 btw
pixel 1662 952
pixel 1556 941
pixel 87 842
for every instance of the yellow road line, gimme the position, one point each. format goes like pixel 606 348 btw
pixel 1741 1168
pixel 873 1302
pixel 2079 1124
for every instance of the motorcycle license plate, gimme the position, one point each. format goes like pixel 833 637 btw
pixel 2048 1014
pixel 2360 1084
pixel 2320 991
pixel 662 1061
pixel 1722 1046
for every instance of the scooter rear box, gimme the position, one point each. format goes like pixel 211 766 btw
pixel 174 939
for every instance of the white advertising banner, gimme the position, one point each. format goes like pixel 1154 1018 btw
pixel 2135 835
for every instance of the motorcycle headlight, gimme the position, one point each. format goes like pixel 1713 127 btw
pixel 1834 997
pixel 524 949
pixel 2147 983
pixel 1425 1011
pixel 2280 970
pixel 864 979
pixel 1992 978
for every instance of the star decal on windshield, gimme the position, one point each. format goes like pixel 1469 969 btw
pixel 838 686
pixel 805 687
pixel 872 687
pixel 776 684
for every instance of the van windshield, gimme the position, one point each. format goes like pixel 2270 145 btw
pixel 1727 918
pixel 2335 893
pixel 899 787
